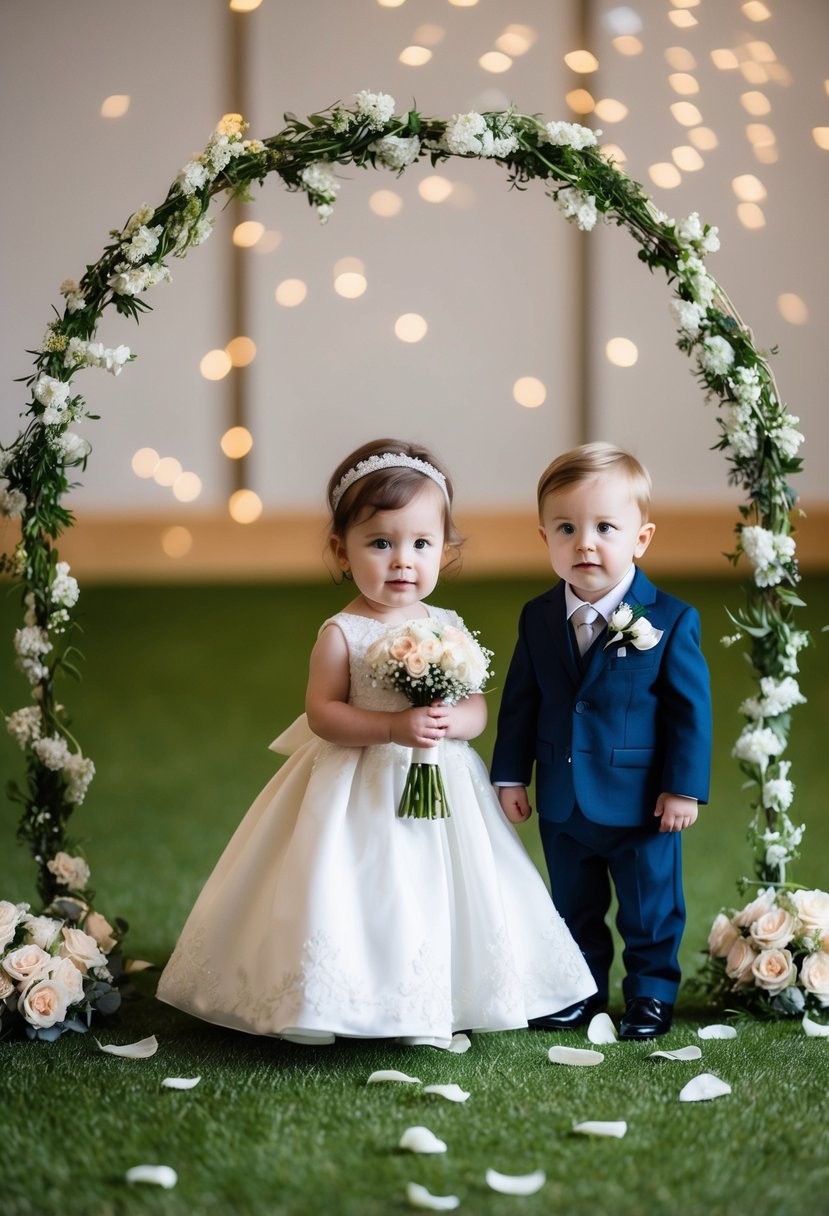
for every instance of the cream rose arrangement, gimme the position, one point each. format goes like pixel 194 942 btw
pixel 772 955
pixel 428 661
pixel 60 967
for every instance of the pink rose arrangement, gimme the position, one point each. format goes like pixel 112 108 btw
pixel 428 661
pixel 772 956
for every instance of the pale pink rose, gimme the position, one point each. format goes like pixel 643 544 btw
pixel 774 970
pixel 44 1003
pixel 83 950
pixel 773 930
pixel 6 985
pixel 814 975
pixel 10 915
pixel 431 649
pixel 722 937
pixel 43 931
pixel 71 872
pixel 64 972
pixel 813 911
pixel 401 647
pixel 757 908
pixel 98 926
pixel 415 664
pixel 27 962
pixel 739 961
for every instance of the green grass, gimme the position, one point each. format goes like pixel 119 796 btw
pixel 183 689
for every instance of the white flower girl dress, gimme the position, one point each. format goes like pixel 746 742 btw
pixel 329 915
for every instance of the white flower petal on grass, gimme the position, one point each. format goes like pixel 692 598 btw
pixel 427 1041
pixel 815 1030
pixel 601 1029
pixel 136 964
pixel 421 1140
pixel 574 1055
pixel 460 1043
pixel 598 1128
pixel 703 1088
pixel 717 1031
pixel 180 1082
pixel 419 1197
pixel 131 1051
pixel 515 1184
pixel 159 1175
pixel 391 1074
pixel 681 1053
pixel 453 1092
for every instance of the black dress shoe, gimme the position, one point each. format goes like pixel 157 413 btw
pixel 645 1017
pixel 570 1018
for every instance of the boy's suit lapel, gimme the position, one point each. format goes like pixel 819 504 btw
pixel 560 633
pixel 642 591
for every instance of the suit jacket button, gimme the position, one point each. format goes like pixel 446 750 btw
pixel 582 707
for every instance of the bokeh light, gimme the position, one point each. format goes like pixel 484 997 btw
pixel 291 292
pixel 167 470
pixel 621 352
pixel 686 113
pixel 665 175
pixel 530 392
pixel 680 59
pixel 704 138
pixel 608 109
pixel 628 44
pixel 792 308
pixel 581 62
pixel 236 442
pixel 724 59
pixel 410 327
pixel 241 351
pixel 495 61
pixel 516 40
pixel 350 284
pixel 687 158
pixel 434 189
pixel 176 541
pixel 748 188
pixel 187 487
pixel 683 83
pixel 245 506
pixel 115 106
pixel 415 56
pixel 385 203
pixel 248 233
pixel 145 462
pixel 755 103
pixel 215 365
pixel 755 11
pixel 580 101
pixel 750 215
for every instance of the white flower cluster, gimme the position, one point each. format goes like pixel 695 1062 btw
pixel 771 554
pixel 64 590
pixel 778 943
pixel 130 280
pixel 795 641
pixel 716 356
pixel 71 872
pixel 224 145
pixel 31 643
pixel 756 745
pixel 578 207
pixel 375 109
pixel 53 395
pixel 73 294
pixel 24 725
pixel 471 135
pixel 319 181
pixel 142 244
pixel 95 354
pixel 44 962
pixel 776 697
pixel 569 135
pixel 691 234
pixel 12 503
pixel 778 792
pixel 77 770
pixel 396 152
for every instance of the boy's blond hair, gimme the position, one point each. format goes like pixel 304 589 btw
pixel 591 460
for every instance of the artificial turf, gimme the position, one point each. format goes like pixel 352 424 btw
pixel 183 689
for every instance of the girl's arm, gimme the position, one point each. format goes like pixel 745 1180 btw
pixel 332 718
pixel 467 719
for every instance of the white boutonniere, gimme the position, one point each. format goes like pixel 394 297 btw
pixel 629 624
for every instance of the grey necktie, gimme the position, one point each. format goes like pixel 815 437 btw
pixel 586 623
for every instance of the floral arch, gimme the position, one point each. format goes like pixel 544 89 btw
pixel 757 436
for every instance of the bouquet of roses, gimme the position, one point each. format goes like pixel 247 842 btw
pixel 59 967
pixel 773 955
pixel 428 661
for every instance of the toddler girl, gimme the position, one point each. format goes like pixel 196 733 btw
pixel 328 914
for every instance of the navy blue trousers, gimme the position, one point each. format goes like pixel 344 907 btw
pixel 645 866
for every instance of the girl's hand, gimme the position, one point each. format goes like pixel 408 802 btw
pixel 420 726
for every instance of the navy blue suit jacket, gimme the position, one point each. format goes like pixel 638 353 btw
pixel 618 733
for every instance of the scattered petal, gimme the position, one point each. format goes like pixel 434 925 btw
pixel 601 1029
pixel 598 1128
pixel 815 1030
pixel 574 1055
pixel 419 1197
pixel 421 1140
pixel 136 964
pixel 181 1082
pixel 516 1184
pixel 131 1051
pixel 426 1041
pixel 391 1074
pixel 453 1092
pixel 460 1043
pixel 681 1053
pixel 703 1087
pixel 159 1175
pixel 717 1032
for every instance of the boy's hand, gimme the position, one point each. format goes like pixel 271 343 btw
pixel 675 811
pixel 514 803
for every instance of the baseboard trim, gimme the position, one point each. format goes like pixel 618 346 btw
pixel 292 545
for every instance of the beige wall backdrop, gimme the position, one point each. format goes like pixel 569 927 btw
pixel 507 287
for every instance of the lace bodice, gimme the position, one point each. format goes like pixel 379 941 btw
pixel 361 632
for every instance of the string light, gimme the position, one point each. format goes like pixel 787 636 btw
pixel 291 292
pixel 215 365
pixel 245 506
pixel 176 541
pixel 622 352
pixel 385 203
pixel 415 56
pixel 115 106
pixel 530 392
pixel 495 61
pixel 236 442
pixel 410 327
pixel 581 62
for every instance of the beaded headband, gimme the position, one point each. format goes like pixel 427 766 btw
pixel 389 460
